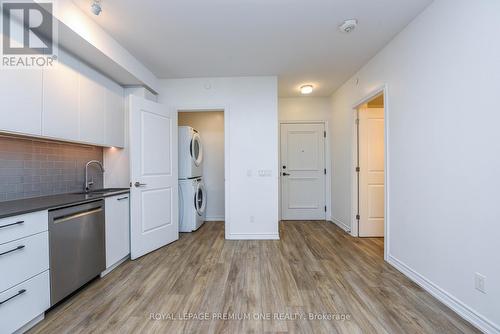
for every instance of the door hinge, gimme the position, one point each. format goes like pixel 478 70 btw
pixel 358 169
pixel 324 134
pixel 357 120
pixel 325 208
pixel 358 217
pixel 325 171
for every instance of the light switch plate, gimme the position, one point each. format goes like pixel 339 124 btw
pixel 265 172
pixel 480 282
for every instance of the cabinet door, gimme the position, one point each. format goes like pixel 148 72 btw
pixel 117 228
pixel 115 115
pixel 32 298
pixel 60 117
pixel 21 96
pixel 92 106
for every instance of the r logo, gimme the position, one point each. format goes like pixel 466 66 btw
pixel 27 28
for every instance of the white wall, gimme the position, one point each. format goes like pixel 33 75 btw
pixel 210 125
pixel 443 79
pixel 304 108
pixel 251 144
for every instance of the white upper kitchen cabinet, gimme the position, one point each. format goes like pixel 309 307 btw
pixel 92 106
pixel 69 101
pixel 21 96
pixel 114 115
pixel 60 110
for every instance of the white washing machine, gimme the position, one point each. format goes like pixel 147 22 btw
pixel 190 153
pixel 192 204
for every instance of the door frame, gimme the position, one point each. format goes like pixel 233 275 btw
pixel 225 109
pixel 383 89
pixel 328 166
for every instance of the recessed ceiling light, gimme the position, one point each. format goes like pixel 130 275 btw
pixel 306 89
pixel 96 7
pixel 348 26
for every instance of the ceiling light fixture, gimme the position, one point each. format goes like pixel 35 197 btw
pixel 306 89
pixel 96 7
pixel 348 26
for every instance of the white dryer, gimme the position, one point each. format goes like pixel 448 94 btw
pixel 190 153
pixel 192 204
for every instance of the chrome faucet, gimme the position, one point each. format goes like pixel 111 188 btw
pixel 88 183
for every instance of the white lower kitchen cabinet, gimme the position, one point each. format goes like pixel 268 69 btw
pixel 17 227
pixel 24 302
pixel 117 230
pixel 23 258
pixel 24 271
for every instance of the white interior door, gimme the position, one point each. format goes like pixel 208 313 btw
pixel 371 177
pixel 303 171
pixel 153 172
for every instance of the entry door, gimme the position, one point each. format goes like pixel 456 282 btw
pixel 303 171
pixel 153 172
pixel 371 177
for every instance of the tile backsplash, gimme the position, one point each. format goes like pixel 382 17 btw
pixel 30 168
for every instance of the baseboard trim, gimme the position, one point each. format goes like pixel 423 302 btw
pixel 453 303
pixel 215 219
pixel 114 266
pixel 253 236
pixel 30 324
pixel 341 225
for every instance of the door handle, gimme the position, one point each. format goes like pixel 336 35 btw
pixel 138 184
pixel 286 174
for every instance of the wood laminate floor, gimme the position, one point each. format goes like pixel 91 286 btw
pixel 272 286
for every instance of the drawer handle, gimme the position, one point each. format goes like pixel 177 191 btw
pixel 16 223
pixel 13 250
pixel 122 198
pixel 10 298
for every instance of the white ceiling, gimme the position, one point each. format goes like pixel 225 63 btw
pixel 297 40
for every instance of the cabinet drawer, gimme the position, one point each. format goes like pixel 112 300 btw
pixel 17 227
pixel 23 258
pixel 24 302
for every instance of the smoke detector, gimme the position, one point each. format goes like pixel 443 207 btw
pixel 348 26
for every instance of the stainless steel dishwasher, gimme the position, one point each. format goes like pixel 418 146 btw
pixel 77 247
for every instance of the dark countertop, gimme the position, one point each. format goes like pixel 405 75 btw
pixel 22 206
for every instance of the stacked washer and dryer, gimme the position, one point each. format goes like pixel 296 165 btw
pixel 192 193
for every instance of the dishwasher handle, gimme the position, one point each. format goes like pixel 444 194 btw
pixel 65 218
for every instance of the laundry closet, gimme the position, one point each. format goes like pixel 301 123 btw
pixel 201 168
